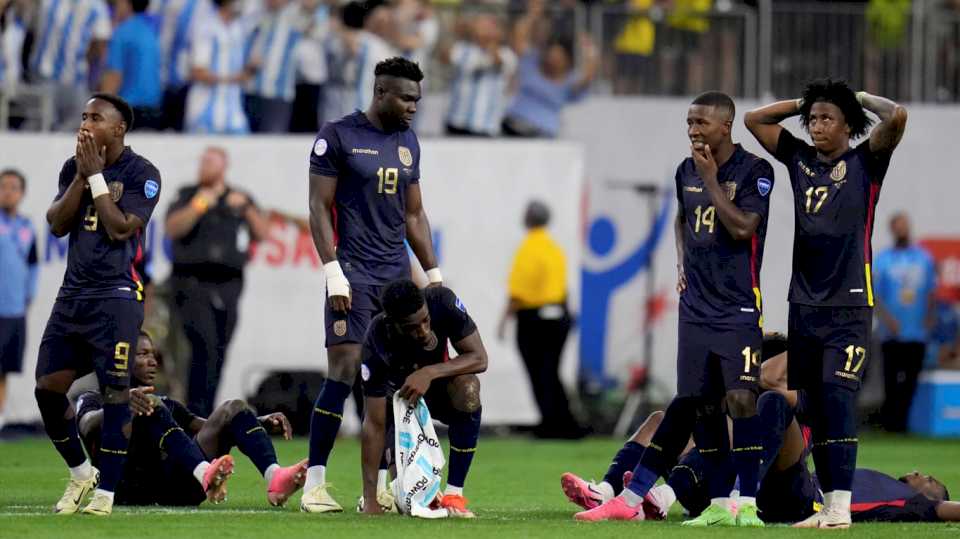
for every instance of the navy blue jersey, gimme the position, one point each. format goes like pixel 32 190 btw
pixel 879 497
pixel 98 267
pixel 388 358
pixel 834 205
pixel 723 274
pixel 373 170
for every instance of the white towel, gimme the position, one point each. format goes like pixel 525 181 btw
pixel 419 459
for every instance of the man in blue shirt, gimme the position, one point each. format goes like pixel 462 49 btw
pixel 18 265
pixel 133 63
pixel 905 278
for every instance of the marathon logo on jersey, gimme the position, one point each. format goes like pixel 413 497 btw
pixel 406 157
pixel 693 189
pixel 763 186
pixel 151 188
pixel 807 170
pixel 116 191
pixel 365 151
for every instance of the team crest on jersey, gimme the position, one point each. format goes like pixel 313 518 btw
pixel 839 172
pixel 730 188
pixel 116 190
pixel 405 156
pixel 340 328
pixel 763 186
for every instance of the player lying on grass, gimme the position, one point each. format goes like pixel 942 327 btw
pixel 406 351
pixel 788 492
pixel 178 458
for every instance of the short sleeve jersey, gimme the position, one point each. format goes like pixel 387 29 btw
pixel 834 206
pixel 373 170
pixel 723 273
pixel 97 266
pixel 389 358
pixel 880 498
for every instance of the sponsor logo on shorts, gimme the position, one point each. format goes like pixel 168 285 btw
pixel 745 378
pixel 847 375
pixel 340 328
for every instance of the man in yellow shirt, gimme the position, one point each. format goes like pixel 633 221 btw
pixel 538 299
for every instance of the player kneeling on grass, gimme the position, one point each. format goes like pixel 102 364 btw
pixel 406 351
pixel 178 458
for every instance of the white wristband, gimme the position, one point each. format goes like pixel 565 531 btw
pixel 98 185
pixel 434 276
pixel 337 283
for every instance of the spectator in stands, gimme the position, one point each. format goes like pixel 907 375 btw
pixel 70 38
pixel 633 49
pixel 272 46
pixel 311 61
pixel 18 265
pixel 210 226
pixel 547 79
pixel 538 299
pixel 179 21
pixel 944 345
pixel 905 281
pixel 416 30
pixel 483 68
pixel 361 42
pixel 133 63
pixel 12 34
pixel 218 72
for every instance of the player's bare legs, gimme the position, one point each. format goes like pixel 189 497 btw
pixel 343 365
pixel 58 421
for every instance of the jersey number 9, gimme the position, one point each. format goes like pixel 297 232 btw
pixel 388 180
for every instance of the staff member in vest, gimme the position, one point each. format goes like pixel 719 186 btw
pixel 538 299
pixel 210 225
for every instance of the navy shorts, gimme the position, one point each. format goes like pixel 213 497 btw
pixel 828 345
pixel 351 326
pixel 790 495
pixel 13 339
pixel 712 360
pixel 92 334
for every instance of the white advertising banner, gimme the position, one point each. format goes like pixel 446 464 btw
pixel 474 193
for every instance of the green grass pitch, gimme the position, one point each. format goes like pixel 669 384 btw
pixel 513 488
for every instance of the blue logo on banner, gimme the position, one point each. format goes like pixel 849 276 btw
pixel 151 188
pixel 764 185
pixel 406 441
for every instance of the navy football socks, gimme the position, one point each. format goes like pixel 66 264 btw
pixel 713 442
pixel 665 447
pixel 835 441
pixel 626 460
pixel 113 445
pixel 464 433
pixel 326 419
pixel 62 431
pixel 747 450
pixel 170 438
pixel 252 440
pixel 775 416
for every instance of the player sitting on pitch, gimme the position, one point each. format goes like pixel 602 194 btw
pixel 406 351
pixel 787 492
pixel 169 460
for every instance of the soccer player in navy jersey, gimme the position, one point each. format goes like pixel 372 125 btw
pixel 178 458
pixel 835 190
pixel 106 196
pixel 407 351
pixel 364 203
pixel 723 197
